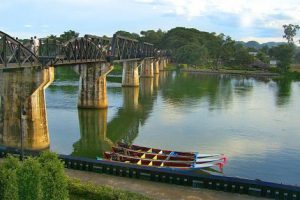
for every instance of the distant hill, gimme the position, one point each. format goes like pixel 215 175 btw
pixel 256 45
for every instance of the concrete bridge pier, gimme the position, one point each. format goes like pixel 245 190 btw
pixel 23 108
pixel 92 85
pixel 156 66
pixel 147 68
pixel 130 76
pixel 162 64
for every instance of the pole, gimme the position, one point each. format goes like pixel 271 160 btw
pixel 22 112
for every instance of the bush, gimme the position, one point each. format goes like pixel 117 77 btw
pixel 29 178
pixel 8 179
pixel 54 181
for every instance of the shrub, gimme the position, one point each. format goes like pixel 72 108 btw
pixel 8 179
pixel 54 181
pixel 29 178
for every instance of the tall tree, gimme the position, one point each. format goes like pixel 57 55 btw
pixel 68 35
pixel 290 32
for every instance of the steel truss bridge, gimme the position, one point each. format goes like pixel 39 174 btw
pixel 87 49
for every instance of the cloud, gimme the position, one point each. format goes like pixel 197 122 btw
pixel 267 13
pixel 27 25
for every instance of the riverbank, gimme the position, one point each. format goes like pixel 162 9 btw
pixel 154 190
pixel 257 73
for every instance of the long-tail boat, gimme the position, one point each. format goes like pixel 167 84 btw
pixel 142 149
pixel 186 165
pixel 170 157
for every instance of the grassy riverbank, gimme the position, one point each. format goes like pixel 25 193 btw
pixel 293 73
pixel 231 71
pixel 80 191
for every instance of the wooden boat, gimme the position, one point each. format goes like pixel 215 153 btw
pixel 193 155
pixel 170 157
pixel 161 163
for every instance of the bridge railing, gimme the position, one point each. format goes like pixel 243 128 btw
pixel 13 54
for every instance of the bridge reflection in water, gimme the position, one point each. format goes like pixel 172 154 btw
pixel 97 135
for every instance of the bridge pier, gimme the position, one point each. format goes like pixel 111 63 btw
pixel 156 67
pixel 147 68
pixel 162 64
pixel 23 108
pixel 130 76
pixel 92 85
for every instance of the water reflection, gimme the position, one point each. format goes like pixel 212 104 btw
pixel 93 133
pixel 283 91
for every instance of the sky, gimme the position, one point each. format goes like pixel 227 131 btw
pixel 245 20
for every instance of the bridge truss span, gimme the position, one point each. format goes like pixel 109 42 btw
pixel 13 54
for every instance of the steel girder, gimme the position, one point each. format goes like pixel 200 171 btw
pixel 76 51
pixel 130 49
pixel 13 54
pixel 79 50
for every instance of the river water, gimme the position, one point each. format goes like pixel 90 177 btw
pixel 254 121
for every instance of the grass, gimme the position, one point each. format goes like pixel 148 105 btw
pixel 88 191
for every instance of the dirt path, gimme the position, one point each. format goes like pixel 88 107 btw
pixel 154 189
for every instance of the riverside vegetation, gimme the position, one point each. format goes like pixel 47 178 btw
pixel 192 48
pixel 44 178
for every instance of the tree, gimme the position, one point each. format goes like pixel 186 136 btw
pixel 128 35
pixel 290 32
pixel 263 57
pixel 153 37
pixel 297 57
pixel 284 54
pixel 68 35
pixel 192 54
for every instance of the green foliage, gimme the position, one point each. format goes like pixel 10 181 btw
pixel 263 57
pixel 92 192
pixel 297 57
pixel 284 54
pixel 290 32
pixel 53 179
pixel 153 37
pixel 35 178
pixel 29 177
pixel 242 56
pixel 8 179
pixel 68 35
pixel 192 54
pixel 128 35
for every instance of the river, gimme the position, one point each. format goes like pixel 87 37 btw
pixel 255 122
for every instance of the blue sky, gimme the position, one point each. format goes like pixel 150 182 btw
pixel 259 20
